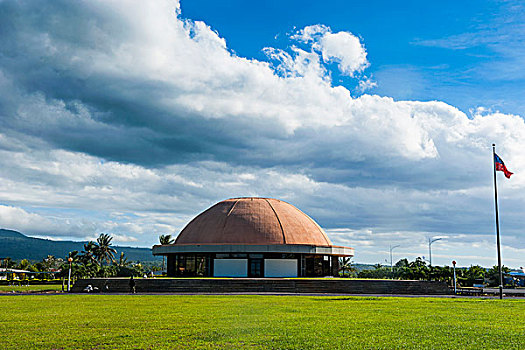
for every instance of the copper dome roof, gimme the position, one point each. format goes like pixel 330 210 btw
pixel 253 221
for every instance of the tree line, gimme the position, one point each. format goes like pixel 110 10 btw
pixel 419 270
pixel 98 259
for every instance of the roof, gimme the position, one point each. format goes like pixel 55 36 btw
pixel 252 248
pixel 4 270
pixel 253 221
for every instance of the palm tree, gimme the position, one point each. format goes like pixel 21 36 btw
pixel 50 262
pixel 89 253
pixel 104 251
pixel 8 262
pixel 74 255
pixel 165 239
pixel 348 265
pixel 122 261
pixel 345 265
pixel 24 264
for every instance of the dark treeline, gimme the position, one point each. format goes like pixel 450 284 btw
pixel 419 270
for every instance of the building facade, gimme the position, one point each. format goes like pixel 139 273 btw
pixel 252 237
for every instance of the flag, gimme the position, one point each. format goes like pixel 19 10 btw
pixel 500 166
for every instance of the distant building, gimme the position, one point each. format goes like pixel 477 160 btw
pixel 252 237
pixel 6 273
pixel 515 278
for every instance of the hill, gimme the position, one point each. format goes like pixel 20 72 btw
pixel 16 246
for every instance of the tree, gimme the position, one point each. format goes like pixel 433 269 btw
pixel 24 264
pixel 377 273
pixel 52 263
pixel 104 251
pixel 165 239
pixel 88 265
pixel 7 263
pixel 441 273
pixel 419 269
pixel 492 275
pixel 89 253
pixel 471 275
pixel 122 261
pixel 401 270
pixel 346 264
pixel 75 255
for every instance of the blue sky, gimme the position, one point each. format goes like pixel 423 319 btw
pixel 449 51
pixel 375 118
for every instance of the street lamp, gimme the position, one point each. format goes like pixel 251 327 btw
pixel 69 274
pixel 391 266
pixel 430 241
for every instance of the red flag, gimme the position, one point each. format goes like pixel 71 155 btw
pixel 500 166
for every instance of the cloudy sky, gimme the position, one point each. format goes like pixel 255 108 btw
pixel 131 117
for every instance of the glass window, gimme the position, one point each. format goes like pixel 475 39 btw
pixel 318 266
pixel 201 266
pixel 190 265
pixel 180 265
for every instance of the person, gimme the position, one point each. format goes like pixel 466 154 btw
pixel 131 285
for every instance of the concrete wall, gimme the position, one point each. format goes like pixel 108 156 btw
pixel 230 267
pixel 239 285
pixel 280 267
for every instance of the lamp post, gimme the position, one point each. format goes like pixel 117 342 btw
pixel 430 241
pixel 69 274
pixel 391 263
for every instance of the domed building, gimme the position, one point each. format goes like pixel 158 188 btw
pixel 252 237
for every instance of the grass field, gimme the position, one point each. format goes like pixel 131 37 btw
pixel 276 322
pixel 31 288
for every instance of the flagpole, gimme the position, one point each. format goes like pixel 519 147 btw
pixel 497 223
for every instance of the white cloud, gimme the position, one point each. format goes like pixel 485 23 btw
pixel 342 47
pixel 346 49
pixel 24 221
pixel 366 84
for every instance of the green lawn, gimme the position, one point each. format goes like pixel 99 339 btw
pixel 32 288
pixel 276 322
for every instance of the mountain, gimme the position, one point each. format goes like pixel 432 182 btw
pixel 16 246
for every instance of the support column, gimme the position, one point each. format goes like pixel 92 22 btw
pixel 170 265
pixel 335 266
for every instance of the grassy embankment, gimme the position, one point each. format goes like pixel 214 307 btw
pixel 277 322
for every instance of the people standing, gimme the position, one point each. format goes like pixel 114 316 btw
pixel 132 285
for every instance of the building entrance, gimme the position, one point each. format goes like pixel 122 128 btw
pixel 255 268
